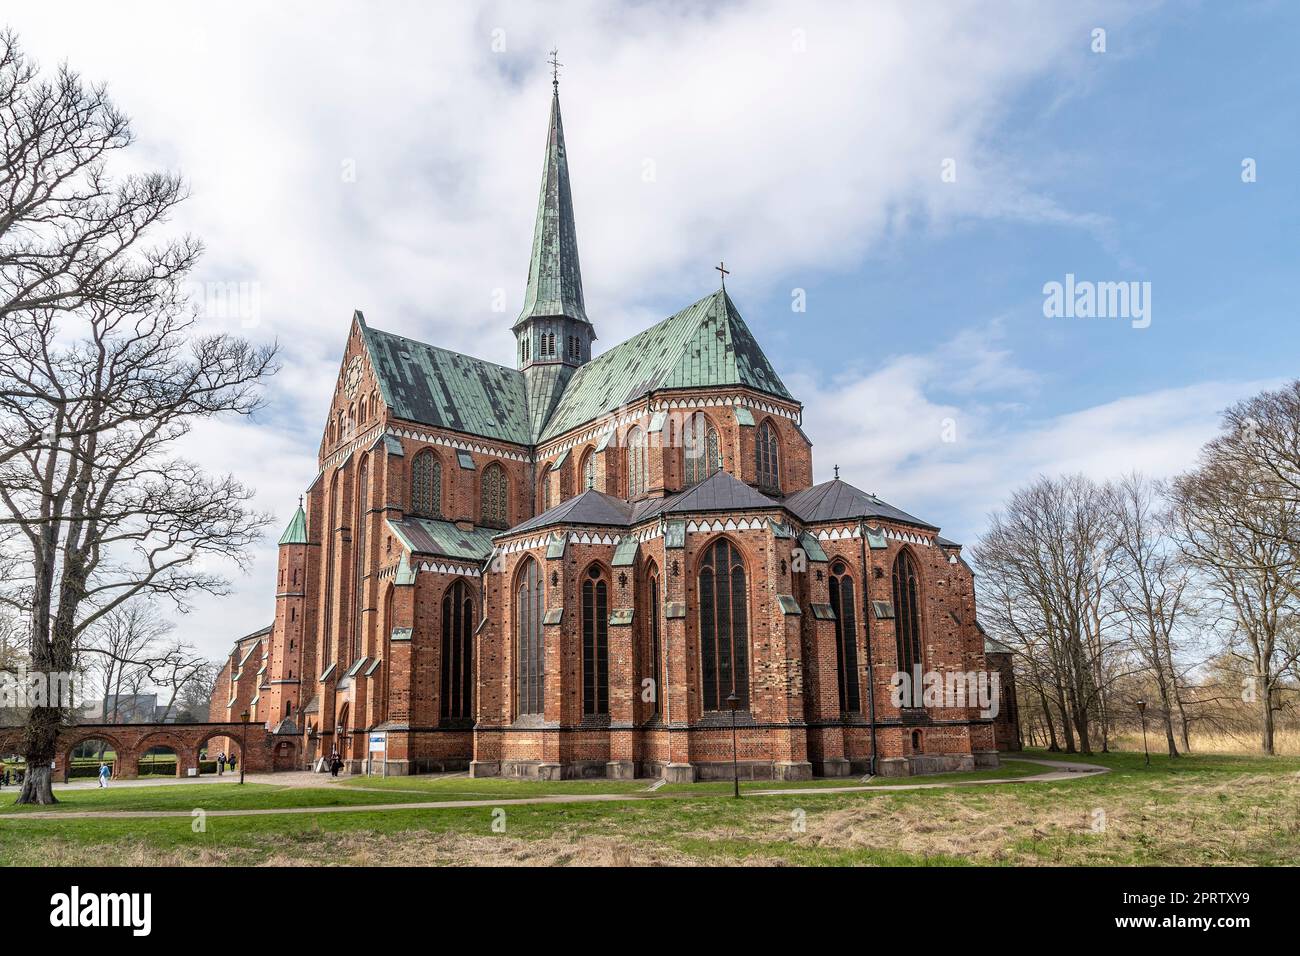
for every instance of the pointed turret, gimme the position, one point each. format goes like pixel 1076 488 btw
pixel 296 532
pixel 553 333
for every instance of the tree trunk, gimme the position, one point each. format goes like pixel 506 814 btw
pixel 1266 738
pixel 40 745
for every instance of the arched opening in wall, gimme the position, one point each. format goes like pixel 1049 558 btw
pixel 494 503
pixel 529 651
pixel 85 757
pixel 701 449
pixel 767 457
pixel 916 741
pixel 637 475
pixel 285 755
pixel 588 470
pixel 457 664
pixel 595 643
pixel 724 627
pixel 342 733
pixel 653 661
pixel 211 752
pixel 426 485
pixel 844 606
pixel 159 760
pixel 907 613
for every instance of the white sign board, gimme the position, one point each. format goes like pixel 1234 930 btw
pixel 378 743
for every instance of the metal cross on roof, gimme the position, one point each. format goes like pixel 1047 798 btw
pixel 722 267
pixel 555 69
pixel 837 472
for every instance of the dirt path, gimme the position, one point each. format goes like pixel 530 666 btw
pixel 1061 770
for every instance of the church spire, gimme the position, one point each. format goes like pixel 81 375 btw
pixel 553 333
pixel 554 279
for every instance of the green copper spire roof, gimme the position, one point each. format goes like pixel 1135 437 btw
pixel 554 279
pixel 296 533
pixel 706 345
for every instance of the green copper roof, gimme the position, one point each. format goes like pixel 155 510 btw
pixel 443 538
pixel 704 345
pixel 423 383
pixel 554 279
pixel 296 532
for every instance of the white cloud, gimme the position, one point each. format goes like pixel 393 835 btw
pixel 779 159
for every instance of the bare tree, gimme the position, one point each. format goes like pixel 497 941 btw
pixel 121 646
pixel 101 373
pixel 1239 526
pixel 195 696
pixel 1152 587
pixel 1046 563
pixel 181 666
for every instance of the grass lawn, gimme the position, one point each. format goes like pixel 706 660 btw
pixel 1195 810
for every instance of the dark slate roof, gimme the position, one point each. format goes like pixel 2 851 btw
pixel 721 491
pixel 943 542
pixel 705 345
pixel 837 500
pixel 423 383
pixel 443 538
pixel 554 279
pixel 590 507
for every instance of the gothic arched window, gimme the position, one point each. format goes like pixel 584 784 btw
pixel 653 651
pixel 529 652
pixel 595 644
pixel 546 491
pixel 907 612
pixel 495 503
pixel 701 449
pixel 724 627
pixel 589 470
pixel 457 652
pixel 426 485
pixel 636 463
pixel 846 638
pixel 767 457
pixel 361 523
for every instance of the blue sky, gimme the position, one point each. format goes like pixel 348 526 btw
pixel 801 143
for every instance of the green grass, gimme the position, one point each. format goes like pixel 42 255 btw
pixel 1197 810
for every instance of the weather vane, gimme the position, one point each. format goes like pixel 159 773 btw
pixel 555 68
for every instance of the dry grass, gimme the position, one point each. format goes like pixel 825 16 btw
pixel 1287 742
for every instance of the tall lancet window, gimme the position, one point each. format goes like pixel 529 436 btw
pixel 589 470
pixel 907 612
pixel 701 450
pixel 426 485
pixel 637 479
pixel 595 644
pixel 846 638
pixel 767 457
pixel 457 652
pixel 361 524
pixel 530 674
pixel 654 653
pixel 495 505
pixel 724 627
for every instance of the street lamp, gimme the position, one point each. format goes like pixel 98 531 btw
pixel 1142 713
pixel 243 745
pixel 732 703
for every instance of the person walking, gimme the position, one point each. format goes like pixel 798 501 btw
pixel 234 761
pixel 103 776
pixel 221 763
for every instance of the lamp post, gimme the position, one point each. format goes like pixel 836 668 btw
pixel 732 703
pixel 1142 713
pixel 243 745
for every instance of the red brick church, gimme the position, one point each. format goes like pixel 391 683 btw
pixel 590 565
